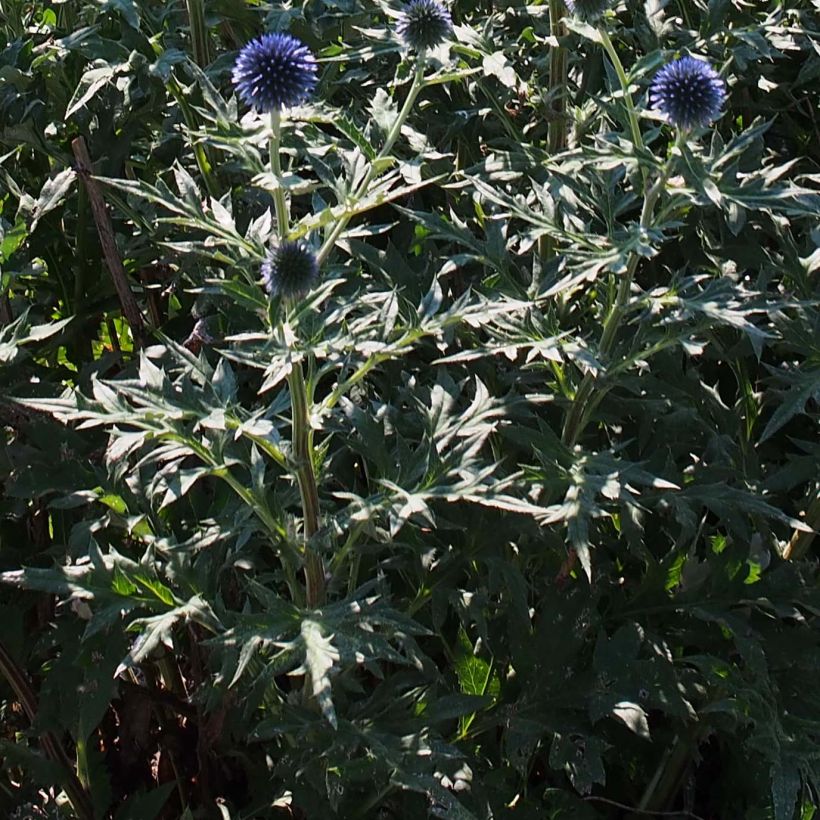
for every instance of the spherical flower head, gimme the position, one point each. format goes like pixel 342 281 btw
pixel 290 270
pixel 588 10
pixel 689 92
pixel 274 71
pixel 424 24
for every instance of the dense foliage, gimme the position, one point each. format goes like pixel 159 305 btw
pixel 506 511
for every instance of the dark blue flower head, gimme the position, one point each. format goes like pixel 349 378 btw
pixel 689 92
pixel 290 270
pixel 274 71
pixel 424 24
pixel 587 9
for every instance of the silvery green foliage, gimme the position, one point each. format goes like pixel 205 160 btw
pixel 514 619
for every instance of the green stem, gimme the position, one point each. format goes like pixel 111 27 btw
pixel 199 32
pixel 557 133
pixel 632 114
pixel 395 130
pixel 306 477
pixel 302 435
pixel 279 201
pixel 375 165
pixel 361 371
pixel 202 161
pixel 583 401
pixel 557 96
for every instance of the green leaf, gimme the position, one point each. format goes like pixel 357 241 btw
pixel 805 386
pixel 11 240
pixel 446 803
pixel 320 656
pixel 42 770
pixel 145 805
pixel 449 707
pixel 785 789
pixel 127 8
pixel 158 630
pixel 52 194
pixel 473 672
pixel 90 83
pixel 633 716
pixel 383 110
pixel 581 758
pixel 496 65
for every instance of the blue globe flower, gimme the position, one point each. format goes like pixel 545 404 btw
pixel 424 24
pixel 689 92
pixel 588 10
pixel 274 71
pixel 290 270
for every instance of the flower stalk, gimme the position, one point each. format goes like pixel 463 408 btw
pixel 632 114
pixel 308 491
pixel 279 201
pixel 302 435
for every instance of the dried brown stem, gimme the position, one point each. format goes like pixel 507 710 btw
pixel 105 230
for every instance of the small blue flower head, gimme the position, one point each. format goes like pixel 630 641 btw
pixel 290 270
pixel 588 10
pixel 274 71
pixel 689 92
pixel 424 24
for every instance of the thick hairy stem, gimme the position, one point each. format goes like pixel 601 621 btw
pixel 557 96
pixel 557 134
pixel 375 166
pixel 306 477
pixel 302 435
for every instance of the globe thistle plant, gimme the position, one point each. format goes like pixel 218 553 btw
pixel 688 92
pixel 290 270
pixel 588 10
pixel 274 71
pixel 424 24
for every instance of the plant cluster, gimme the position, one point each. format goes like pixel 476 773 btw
pixel 409 409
